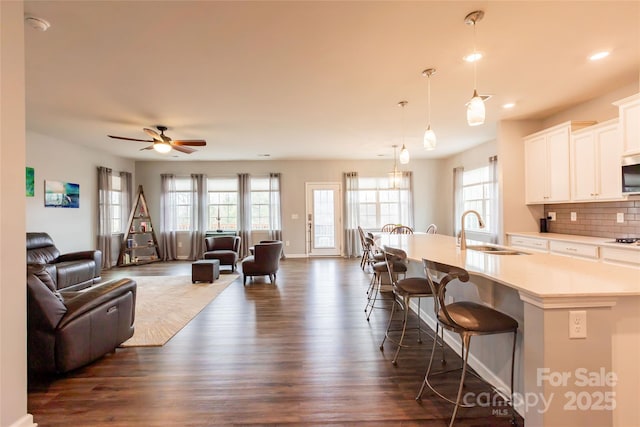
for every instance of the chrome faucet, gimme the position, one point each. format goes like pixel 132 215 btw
pixel 463 237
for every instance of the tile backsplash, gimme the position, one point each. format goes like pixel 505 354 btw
pixel 598 219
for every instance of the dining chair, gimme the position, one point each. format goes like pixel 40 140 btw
pixel 432 229
pixel 388 227
pixel 402 229
pixel 467 319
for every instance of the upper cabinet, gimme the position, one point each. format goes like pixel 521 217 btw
pixel 547 173
pixel 595 162
pixel 629 109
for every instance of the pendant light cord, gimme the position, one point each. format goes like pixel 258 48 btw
pixel 475 62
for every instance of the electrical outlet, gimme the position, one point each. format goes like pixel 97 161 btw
pixel 287 243
pixel 577 324
pixel 620 217
pixel 179 244
pixel 450 299
pixel 574 216
pixel 551 216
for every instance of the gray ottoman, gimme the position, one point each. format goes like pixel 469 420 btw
pixel 205 270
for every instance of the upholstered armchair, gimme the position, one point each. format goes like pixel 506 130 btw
pixel 70 271
pixel 69 329
pixel 225 249
pixel 264 261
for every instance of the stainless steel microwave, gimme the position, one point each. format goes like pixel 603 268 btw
pixel 631 174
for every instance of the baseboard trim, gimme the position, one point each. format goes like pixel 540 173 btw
pixel 24 421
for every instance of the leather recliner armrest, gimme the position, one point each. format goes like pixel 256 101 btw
pixel 95 255
pixel 81 302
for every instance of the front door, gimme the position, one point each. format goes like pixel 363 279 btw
pixel 324 219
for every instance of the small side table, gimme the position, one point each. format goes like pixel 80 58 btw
pixel 205 270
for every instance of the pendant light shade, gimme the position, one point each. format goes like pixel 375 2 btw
pixel 429 139
pixel 475 107
pixel 475 110
pixel 404 155
pixel 395 176
pixel 429 142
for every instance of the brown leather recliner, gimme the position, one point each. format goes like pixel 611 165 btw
pixel 67 330
pixel 265 261
pixel 71 271
pixel 225 249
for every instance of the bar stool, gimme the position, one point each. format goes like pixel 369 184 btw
pixel 467 319
pixel 379 269
pixel 403 290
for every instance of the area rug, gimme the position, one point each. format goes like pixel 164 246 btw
pixel 166 304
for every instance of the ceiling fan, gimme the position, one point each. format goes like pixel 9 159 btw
pixel 163 144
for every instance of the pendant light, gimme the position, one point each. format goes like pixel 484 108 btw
pixel 475 107
pixel 395 176
pixel 429 134
pixel 404 153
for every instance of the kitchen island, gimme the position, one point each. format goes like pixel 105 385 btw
pixel 561 381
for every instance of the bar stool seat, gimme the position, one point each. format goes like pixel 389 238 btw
pixel 467 319
pixel 404 290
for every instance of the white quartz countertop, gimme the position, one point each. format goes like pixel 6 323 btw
pixel 596 241
pixel 539 275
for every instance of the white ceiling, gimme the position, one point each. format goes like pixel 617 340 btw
pixel 304 80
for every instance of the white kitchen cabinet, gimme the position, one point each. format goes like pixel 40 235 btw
pixel 547 163
pixel 627 257
pixel 629 113
pixel 540 245
pixel 595 162
pixel 579 250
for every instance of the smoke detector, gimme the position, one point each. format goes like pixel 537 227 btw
pixel 37 23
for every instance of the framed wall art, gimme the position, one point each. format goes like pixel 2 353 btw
pixel 30 176
pixel 58 194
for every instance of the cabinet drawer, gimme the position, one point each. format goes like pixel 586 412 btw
pixel 574 249
pixel 622 256
pixel 529 243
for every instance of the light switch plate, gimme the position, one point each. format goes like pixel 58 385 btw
pixel 620 217
pixel 574 216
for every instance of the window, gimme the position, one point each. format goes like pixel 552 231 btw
pixel 183 203
pixel 223 203
pixel 260 207
pixel 477 189
pixel 379 204
pixel 117 222
pixel 478 193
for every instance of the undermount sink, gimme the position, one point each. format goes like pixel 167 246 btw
pixel 495 250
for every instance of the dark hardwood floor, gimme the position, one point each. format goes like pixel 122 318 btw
pixel 296 353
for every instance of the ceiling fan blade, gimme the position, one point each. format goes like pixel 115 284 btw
pixel 129 139
pixel 147 148
pixel 191 142
pixel 153 134
pixel 185 150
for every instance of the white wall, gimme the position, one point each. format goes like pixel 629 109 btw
pixel 53 159
pixel 427 185
pixel 13 323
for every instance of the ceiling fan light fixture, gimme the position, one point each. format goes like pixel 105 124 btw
pixel 162 147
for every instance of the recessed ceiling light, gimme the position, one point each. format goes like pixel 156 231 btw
pixel 473 57
pixel 599 55
pixel 264 155
pixel 509 105
pixel 37 23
